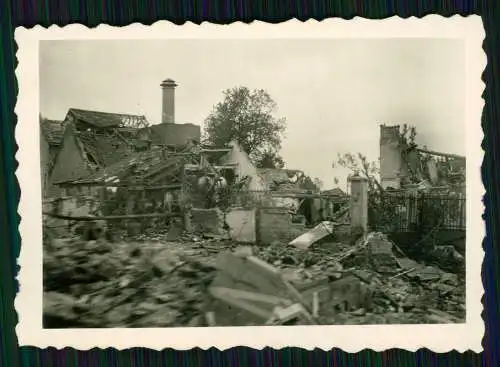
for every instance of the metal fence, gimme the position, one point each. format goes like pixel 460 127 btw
pixel 405 212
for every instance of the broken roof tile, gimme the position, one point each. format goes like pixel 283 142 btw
pixel 107 119
pixel 137 166
pixel 107 149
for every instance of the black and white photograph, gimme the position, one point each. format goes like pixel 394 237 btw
pixel 228 182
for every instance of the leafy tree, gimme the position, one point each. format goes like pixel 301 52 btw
pixel 359 164
pixel 305 182
pixel 408 134
pixel 247 116
pixel 270 159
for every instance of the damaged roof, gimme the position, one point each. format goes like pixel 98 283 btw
pixel 107 119
pixel 140 167
pixel 53 130
pixel 108 148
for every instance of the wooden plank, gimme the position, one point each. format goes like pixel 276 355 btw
pixel 315 307
pixel 216 150
pixel 247 306
pixel 289 313
pixel 263 279
pixel 298 195
pixel 305 240
pixel 298 297
pixel 226 166
pixel 210 317
pixel 446 155
pixel 130 187
pixel 110 217
pixel 250 296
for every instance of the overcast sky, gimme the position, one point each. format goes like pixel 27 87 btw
pixel 333 93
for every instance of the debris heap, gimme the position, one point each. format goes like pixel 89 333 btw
pixel 189 281
pixel 98 284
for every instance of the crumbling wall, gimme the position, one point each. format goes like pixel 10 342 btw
pixel 67 206
pixel 275 225
pixel 242 224
pixel 70 206
pixel 207 221
pixel 390 156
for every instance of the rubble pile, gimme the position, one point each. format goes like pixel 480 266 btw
pixel 152 281
pixel 141 284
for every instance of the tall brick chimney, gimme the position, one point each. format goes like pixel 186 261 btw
pixel 168 101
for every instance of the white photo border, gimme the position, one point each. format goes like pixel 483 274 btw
pixel 350 338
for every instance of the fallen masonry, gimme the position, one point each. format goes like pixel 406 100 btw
pixel 160 280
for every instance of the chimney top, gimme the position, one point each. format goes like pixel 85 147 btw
pixel 168 83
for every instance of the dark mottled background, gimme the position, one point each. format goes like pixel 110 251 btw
pixel 28 13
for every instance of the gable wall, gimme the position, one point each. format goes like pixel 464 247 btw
pixel 69 164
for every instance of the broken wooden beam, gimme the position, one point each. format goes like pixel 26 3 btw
pixel 226 166
pixel 216 150
pixel 299 195
pixel 110 217
pixel 445 155
pixel 315 305
pixel 282 315
pixel 210 318
pixel 222 292
pixel 136 187
pixel 241 303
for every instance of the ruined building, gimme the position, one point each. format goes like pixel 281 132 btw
pixel 93 140
pixel 403 163
pixel 391 162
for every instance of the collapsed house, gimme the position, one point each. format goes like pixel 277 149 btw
pixel 295 279
pixel 86 142
pixel 403 163
pixel 214 190
pixel 423 196
pixel 94 140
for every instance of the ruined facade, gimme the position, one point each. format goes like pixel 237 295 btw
pixel 94 140
pixel 391 158
pixel 404 163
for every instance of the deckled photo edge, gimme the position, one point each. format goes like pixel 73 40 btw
pixel 439 338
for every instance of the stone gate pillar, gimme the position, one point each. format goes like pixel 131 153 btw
pixel 359 203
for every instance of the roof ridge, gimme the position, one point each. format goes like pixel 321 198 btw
pixel 106 113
